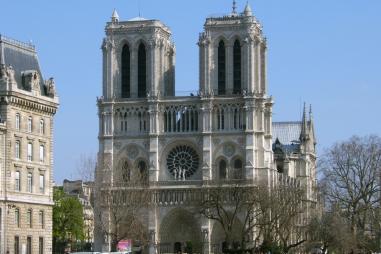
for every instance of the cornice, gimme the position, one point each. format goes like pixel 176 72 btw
pixel 35 105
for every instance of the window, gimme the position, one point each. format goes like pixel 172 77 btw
pixel 17 245
pixel 30 182
pixel 29 217
pixel 126 72
pixel 41 219
pixel 30 151
pixel 29 245
pixel 17 217
pixel 30 124
pixel 221 68
pixel 238 169
pixel 142 70
pixel 42 126
pixel 17 149
pixel 222 169
pixel 42 183
pixel 142 168
pixel 17 181
pixel 41 245
pixel 17 121
pixel 237 67
pixel 42 153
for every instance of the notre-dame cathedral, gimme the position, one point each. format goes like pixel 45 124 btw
pixel 223 132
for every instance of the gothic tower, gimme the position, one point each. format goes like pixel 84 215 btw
pixel 138 59
pixel 233 68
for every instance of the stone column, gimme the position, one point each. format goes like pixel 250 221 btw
pixel 206 112
pixel 250 139
pixel 258 71
pixel 154 142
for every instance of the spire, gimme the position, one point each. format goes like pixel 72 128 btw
pixel 115 17
pixel 247 12
pixel 234 12
pixel 311 125
pixel 303 132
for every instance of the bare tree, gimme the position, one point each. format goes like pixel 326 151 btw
pixel 226 205
pixel 352 183
pixel 330 232
pixel 273 213
pixel 86 165
pixel 123 207
pixel 281 221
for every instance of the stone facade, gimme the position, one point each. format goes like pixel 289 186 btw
pixel 224 132
pixel 27 107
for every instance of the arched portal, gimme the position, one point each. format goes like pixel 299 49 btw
pixel 179 230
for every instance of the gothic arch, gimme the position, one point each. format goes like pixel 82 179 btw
pixel 181 226
pixel 221 67
pixel 131 151
pixel 141 167
pixel 122 171
pixel 142 69
pixel 125 63
pixel 221 166
pixel 219 39
pixel 237 166
pixel 237 66
pixel 228 149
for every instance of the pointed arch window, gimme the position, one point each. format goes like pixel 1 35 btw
pixel 238 169
pixel 237 67
pixel 126 72
pixel 143 172
pixel 222 169
pixel 142 71
pixel 221 68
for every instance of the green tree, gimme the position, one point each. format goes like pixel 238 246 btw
pixel 67 218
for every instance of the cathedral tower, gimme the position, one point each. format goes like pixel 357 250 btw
pixel 233 55
pixel 138 59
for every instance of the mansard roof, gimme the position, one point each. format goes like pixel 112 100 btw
pixel 22 57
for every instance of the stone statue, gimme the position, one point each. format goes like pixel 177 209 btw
pixel 11 74
pixel 3 71
pixel 50 87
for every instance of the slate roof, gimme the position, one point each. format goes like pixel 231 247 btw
pixel 22 57
pixel 288 134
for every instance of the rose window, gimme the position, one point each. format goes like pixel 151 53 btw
pixel 182 162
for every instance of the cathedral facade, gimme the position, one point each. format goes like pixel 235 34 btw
pixel 182 143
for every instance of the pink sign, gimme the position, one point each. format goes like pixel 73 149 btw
pixel 124 245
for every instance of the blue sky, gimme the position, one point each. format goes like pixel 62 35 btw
pixel 326 52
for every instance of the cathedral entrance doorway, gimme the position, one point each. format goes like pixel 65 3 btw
pixel 180 231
